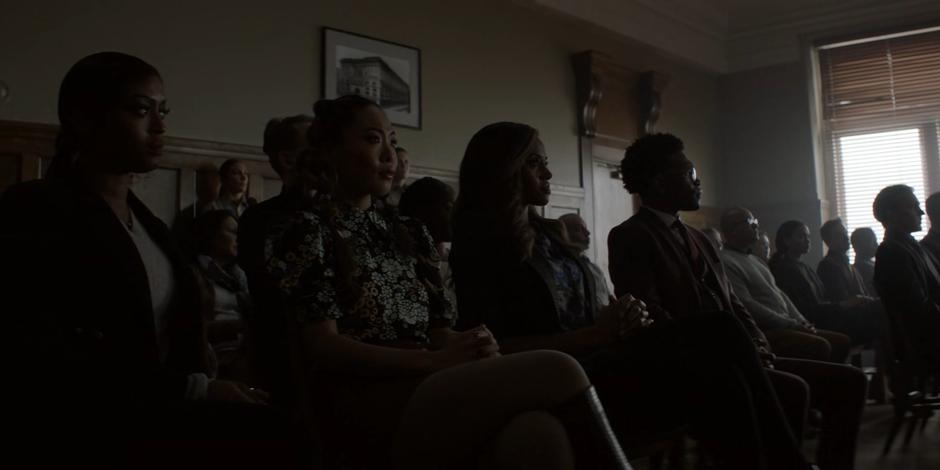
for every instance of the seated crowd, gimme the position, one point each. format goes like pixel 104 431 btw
pixel 321 326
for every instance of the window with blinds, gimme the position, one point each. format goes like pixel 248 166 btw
pixel 881 119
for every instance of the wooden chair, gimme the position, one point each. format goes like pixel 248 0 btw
pixel 911 383
pixel 876 374
pixel 665 450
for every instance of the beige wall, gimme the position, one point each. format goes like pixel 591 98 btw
pixel 230 65
pixel 767 147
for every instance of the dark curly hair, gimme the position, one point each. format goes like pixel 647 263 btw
pixel 646 159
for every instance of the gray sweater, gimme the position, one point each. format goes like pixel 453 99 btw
pixel 755 286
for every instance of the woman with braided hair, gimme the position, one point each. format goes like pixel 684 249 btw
pixel 392 378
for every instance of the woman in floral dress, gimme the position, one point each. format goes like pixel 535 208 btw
pixel 392 378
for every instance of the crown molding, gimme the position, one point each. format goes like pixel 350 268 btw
pixel 692 34
pixel 784 38
pixel 700 33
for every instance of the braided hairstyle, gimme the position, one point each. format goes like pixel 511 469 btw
pixel 319 174
pixel 90 88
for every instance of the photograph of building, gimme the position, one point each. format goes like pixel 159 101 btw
pixel 372 78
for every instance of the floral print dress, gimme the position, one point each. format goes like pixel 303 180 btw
pixel 399 297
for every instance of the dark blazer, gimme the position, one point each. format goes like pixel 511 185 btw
pixel 840 279
pixel 647 261
pixel 512 298
pixel 267 324
pixel 910 293
pixel 931 243
pixel 804 287
pixel 77 302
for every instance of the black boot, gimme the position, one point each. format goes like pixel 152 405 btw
pixel 592 439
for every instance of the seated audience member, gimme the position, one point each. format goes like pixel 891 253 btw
pixel 233 193
pixel 906 277
pixel 931 241
pixel 580 238
pixel 431 201
pixel 217 245
pixel 715 237
pixel 861 318
pixel 113 359
pixel 676 271
pixel 364 286
pixel 284 139
pixel 839 278
pixel 789 333
pixel 865 244
pixel 207 191
pixel 401 175
pixel 515 272
pixel 761 248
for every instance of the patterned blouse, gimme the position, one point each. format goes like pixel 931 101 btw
pixel 569 292
pixel 402 296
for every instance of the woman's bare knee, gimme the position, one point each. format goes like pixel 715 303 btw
pixel 558 372
pixel 533 440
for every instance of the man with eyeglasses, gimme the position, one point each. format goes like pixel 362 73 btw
pixel 677 272
pixel 790 334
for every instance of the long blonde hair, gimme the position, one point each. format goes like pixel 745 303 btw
pixel 490 214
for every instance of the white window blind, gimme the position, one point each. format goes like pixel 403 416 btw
pixel 881 107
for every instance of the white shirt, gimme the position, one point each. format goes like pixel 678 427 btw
pixel 159 278
pixel 162 285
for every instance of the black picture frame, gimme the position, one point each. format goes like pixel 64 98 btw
pixel 386 72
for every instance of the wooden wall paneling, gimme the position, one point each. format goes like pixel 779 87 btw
pixel 187 187
pixel 616 104
pixel 30 145
pixel 9 169
pixel 25 147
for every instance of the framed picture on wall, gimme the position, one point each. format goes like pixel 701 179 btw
pixel 385 72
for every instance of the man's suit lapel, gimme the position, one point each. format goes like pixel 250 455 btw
pixel 672 250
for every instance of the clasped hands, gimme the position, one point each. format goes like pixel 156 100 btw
pixel 623 316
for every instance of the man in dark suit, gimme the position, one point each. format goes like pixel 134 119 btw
pixel 906 276
pixel 865 244
pixel 283 140
pixel 931 242
pixel 676 271
pixel 841 280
